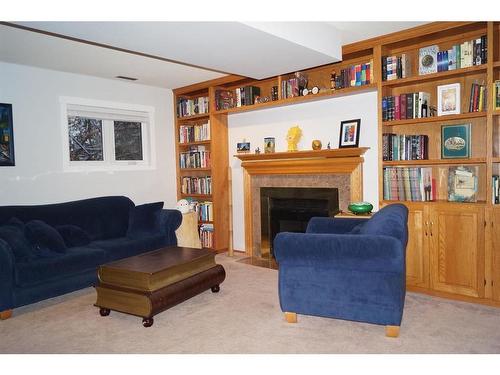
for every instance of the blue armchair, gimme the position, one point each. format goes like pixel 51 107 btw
pixel 344 268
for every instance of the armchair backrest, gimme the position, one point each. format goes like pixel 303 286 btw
pixel 391 220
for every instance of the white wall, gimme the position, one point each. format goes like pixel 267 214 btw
pixel 38 176
pixel 318 120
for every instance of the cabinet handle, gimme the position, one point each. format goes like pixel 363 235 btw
pixel 431 227
pixel 426 224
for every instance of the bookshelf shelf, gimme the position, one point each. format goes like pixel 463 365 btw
pixel 418 79
pixel 195 169
pixel 441 202
pixel 496 64
pixel 186 144
pixel 203 196
pixel 302 99
pixel 194 117
pixel 462 116
pixel 496 112
pixel 472 161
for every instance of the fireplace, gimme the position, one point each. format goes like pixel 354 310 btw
pixel 288 209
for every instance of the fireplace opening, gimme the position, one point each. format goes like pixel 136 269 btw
pixel 290 209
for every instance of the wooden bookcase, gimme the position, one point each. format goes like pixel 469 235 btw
pixel 454 248
pixel 218 143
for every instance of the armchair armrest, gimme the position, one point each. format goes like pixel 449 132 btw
pixel 332 225
pixel 373 253
pixel 170 220
pixel 6 276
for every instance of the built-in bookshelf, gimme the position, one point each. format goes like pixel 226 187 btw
pixel 454 247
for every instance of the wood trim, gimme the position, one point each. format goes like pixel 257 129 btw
pixel 247 202
pixel 457 297
pixel 203 85
pixel 336 153
pixel 397 36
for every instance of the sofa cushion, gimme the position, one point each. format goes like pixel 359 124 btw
pixel 19 244
pixel 73 235
pixel 43 236
pixel 75 260
pixel 123 247
pixel 144 220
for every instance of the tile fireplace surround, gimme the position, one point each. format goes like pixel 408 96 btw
pixel 340 168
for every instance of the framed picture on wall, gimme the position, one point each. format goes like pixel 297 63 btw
pixel 6 135
pixel 349 133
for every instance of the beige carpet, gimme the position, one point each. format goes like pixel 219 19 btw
pixel 244 318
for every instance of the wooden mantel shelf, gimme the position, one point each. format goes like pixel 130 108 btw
pixel 336 153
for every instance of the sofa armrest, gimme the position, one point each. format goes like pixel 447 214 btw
pixel 373 253
pixel 332 225
pixel 6 276
pixel 170 220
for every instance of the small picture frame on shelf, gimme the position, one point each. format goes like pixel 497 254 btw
pixel 448 97
pixel 455 141
pixel 349 133
pixel 269 145
pixel 242 147
pixel 462 183
pixel 6 136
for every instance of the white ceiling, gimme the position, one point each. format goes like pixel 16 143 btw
pixel 211 49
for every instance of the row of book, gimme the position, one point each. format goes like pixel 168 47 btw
pixel 191 107
pixel 355 75
pixel 207 235
pixel 241 96
pixel 394 67
pixel 477 101
pixel 293 87
pixel 196 185
pixel 409 184
pixel 404 147
pixel 196 157
pixel 194 133
pixel 467 54
pixel 406 106
pixel 204 210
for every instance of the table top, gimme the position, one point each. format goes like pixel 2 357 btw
pixel 159 260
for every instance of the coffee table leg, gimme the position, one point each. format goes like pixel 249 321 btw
pixel 104 312
pixel 215 289
pixel 147 322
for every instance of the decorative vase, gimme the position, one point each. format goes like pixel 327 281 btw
pixel 360 208
pixel 316 144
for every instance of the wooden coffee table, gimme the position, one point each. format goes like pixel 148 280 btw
pixel 147 284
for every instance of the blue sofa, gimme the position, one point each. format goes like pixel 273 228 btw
pixel 344 268
pixel 49 250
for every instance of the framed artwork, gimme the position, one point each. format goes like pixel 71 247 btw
pixel 448 99
pixel 6 135
pixel 269 145
pixel 455 141
pixel 427 60
pixel 242 147
pixel 349 133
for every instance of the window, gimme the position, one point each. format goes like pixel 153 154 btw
pixel 104 135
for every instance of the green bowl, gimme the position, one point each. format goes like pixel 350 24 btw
pixel 359 208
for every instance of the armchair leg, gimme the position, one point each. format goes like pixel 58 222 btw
pixel 291 317
pixel 5 314
pixel 392 331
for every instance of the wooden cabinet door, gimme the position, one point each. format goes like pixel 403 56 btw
pixel 495 240
pixel 457 249
pixel 417 250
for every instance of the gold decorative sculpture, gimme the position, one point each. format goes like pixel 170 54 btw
pixel 316 144
pixel 293 137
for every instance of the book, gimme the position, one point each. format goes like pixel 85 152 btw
pixel 462 183
pixel 496 95
pixel 427 60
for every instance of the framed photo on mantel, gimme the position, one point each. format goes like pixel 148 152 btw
pixel 6 135
pixel 349 133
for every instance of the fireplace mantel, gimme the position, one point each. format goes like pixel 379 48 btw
pixel 346 161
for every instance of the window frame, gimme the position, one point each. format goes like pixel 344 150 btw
pixel 108 138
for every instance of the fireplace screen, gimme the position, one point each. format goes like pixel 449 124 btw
pixel 289 210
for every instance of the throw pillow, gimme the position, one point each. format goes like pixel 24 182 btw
pixel 144 220
pixel 43 236
pixel 73 235
pixel 19 244
pixel 356 229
